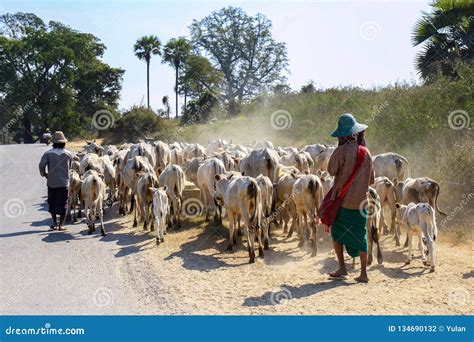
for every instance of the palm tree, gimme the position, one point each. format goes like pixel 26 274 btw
pixel 175 53
pixel 144 48
pixel 447 35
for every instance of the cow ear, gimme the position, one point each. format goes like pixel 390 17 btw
pixel 153 189
pixel 319 172
pixel 165 187
pixel 231 175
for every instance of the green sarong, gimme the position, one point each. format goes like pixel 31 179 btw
pixel 350 230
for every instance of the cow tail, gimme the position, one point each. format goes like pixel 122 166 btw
pixel 313 188
pixel 270 169
pixel 436 201
pixel 252 193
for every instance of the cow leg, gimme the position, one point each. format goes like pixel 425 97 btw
pixel 371 244
pixel 314 242
pixel 431 248
pixel 239 230
pixel 260 246
pixel 101 216
pixel 180 202
pixel 132 203
pixel 410 245
pixel 420 247
pixel 266 234
pixel 135 221
pixel 231 232
pixel 251 243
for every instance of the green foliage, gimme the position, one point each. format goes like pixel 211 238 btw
pixel 243 49
pixel 175 53
pixel 147 46
pixel 51 76
pixel 198 76
pixel 144 48
pixel 197 111
pixel 134 124
pixel 447 36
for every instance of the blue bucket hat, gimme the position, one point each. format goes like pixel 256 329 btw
pixel 347 126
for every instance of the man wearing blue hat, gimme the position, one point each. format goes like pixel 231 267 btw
pixel 351 166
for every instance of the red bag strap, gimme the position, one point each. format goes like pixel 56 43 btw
pixel 361 153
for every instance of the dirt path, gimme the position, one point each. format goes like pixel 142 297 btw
pixel 204 279
pixel 43 272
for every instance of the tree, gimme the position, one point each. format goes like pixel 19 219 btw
pixel 199 75
pixel 175 53
pixel 144 48
pixel 243 49
pixel 447 36
pixel 166 103
pixel 308 88
pixel 51 76
pixel 281 89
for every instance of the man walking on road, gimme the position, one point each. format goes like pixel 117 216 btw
pixel 58 162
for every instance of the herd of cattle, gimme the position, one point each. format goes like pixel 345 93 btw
pixel 258 186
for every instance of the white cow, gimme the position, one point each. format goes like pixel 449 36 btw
pixel 173 178
pixel 421 218
pixel 242 198
pixel 162 156
pixel 391 165
pixel 320 153
pixel 160 212
pixel 206 182
pixel 308 195
pixel 145 182
pixel 93 193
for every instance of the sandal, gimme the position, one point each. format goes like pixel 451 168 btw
pixel 338 276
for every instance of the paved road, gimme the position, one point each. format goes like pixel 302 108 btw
pixel 50 272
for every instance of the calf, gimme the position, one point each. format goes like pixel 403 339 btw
pixel 74 190
pixel 93 193
pixel 421 218
pixel 205 181
pixel 386 191
pixel 160 212
pixel 173 178
pixel 375 214
pixel 145 196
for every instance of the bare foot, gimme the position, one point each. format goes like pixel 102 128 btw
pixel 362 279
pixel 339 273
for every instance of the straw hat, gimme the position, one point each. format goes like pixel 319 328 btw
pixel 59 138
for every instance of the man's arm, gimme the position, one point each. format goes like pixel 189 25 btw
pixel 42 165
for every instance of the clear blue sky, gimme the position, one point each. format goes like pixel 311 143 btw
pixel 334 43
